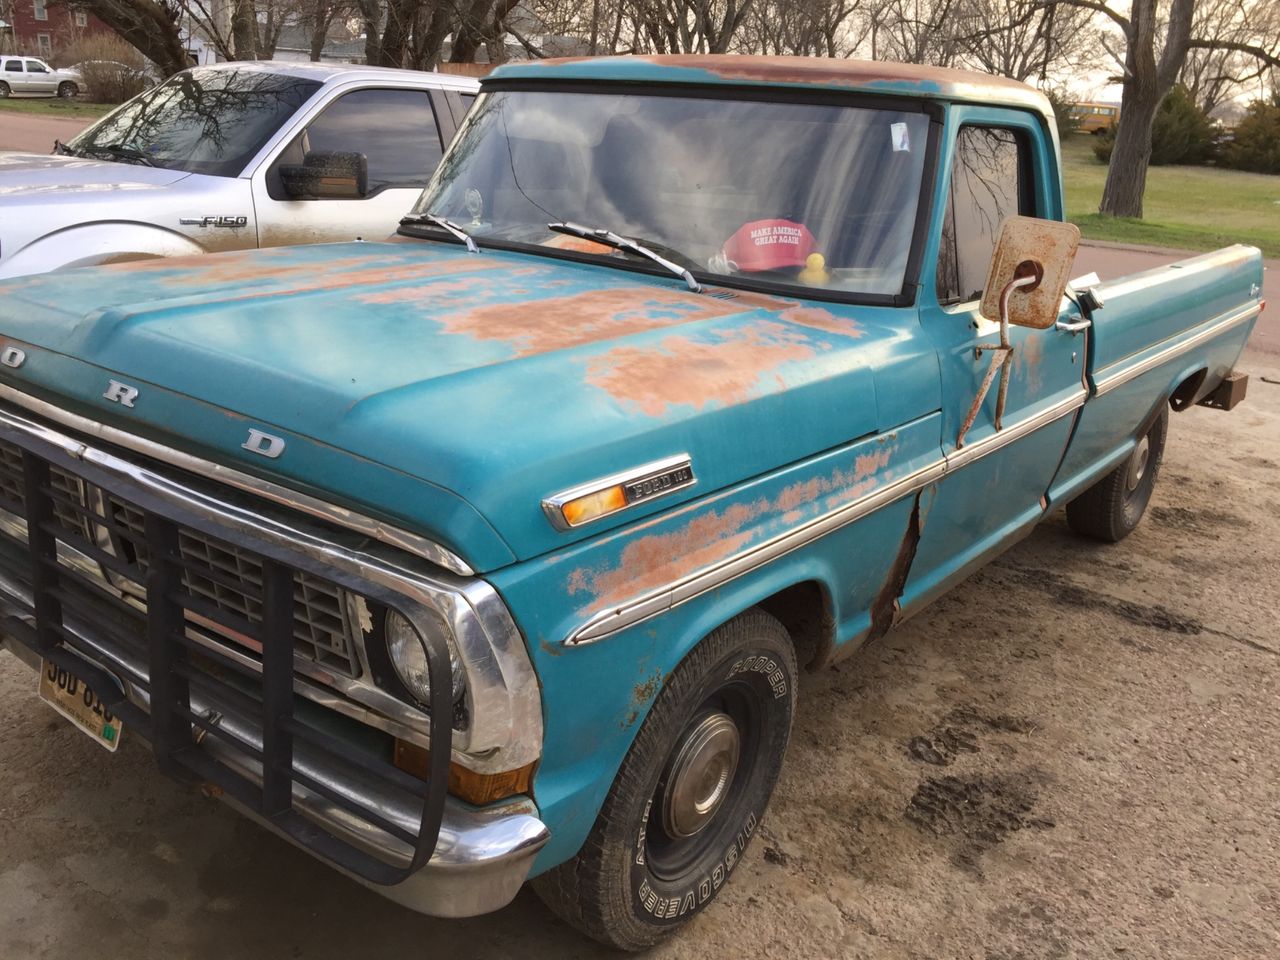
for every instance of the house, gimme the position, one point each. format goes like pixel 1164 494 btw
pixel 41 27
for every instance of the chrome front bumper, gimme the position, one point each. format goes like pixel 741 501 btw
pixel 481 858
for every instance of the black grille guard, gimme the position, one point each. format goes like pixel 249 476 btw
pixel 176 663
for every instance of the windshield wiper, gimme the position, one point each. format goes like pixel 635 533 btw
pixel 61 149
pixel 444 224
pixel 618 242
pixel 119 151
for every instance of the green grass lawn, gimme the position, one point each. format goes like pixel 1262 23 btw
pixel 1195 208
pixel 54 107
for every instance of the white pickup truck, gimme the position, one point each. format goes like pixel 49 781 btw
pixel 232 156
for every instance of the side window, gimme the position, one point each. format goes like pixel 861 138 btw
pixel 395 130
pixel 35 66
pixel 13 66
pixel 990 180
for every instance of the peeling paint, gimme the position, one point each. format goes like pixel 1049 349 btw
pixel 681 371
pixel 557 323
pixel 650 562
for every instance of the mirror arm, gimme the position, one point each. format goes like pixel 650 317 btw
pixel 1001 360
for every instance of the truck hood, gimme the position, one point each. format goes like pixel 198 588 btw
pixel 490 380
pixel 36 175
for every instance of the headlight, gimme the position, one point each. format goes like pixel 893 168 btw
pixel 408 656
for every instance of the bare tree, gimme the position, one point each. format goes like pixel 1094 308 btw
pixel 1155 52
pixel 1022 39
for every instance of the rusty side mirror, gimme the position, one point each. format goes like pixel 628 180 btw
pixel 1035 257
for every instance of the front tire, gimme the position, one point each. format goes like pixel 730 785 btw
pixel 690 793
pixel 67 90
pixel 1111 509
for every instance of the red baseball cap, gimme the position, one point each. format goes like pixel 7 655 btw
pixel 769 245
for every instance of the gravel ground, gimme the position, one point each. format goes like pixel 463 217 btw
pixel 1073 754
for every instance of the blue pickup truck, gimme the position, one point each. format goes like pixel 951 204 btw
pixel 490 553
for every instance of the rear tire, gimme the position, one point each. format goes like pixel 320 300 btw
pixel 4 90
pixel 1111 509
pixel 67 90
pixel 690 793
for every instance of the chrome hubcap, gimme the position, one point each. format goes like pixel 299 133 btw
pixel 1138 463
pixel 701 775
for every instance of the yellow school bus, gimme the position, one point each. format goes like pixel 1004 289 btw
pixel 1095 117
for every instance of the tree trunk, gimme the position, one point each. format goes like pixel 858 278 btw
pixel 1145 84
pixel 244 24
pixel 149 26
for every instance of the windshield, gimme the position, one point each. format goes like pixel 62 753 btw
pixel 783 193
pixel 200 121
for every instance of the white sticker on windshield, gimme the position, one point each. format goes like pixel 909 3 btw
pixel 901 137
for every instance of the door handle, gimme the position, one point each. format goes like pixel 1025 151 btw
pixel 1072 328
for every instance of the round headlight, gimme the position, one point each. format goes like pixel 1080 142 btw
pixel 408 655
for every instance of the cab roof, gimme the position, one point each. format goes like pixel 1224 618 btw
pixel 822 73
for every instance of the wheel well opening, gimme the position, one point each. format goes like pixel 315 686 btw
pixel 805 610
pixel 1185 394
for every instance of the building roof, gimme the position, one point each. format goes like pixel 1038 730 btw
pixel 882 77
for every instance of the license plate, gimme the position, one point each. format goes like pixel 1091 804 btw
pixel 75 700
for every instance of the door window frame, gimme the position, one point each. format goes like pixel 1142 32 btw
pixel 1046 186
pixel 304 118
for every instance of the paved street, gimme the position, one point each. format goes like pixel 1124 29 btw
pixel 33 134
pixel 1111 260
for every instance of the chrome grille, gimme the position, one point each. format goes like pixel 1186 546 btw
pixel 212 570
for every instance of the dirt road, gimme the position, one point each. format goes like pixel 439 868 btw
pixel 1074 754
pixel 24 133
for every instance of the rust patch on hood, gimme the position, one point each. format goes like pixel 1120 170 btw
pixel 681 371
pixel 276 279
pixel 820 319
pixel 557 323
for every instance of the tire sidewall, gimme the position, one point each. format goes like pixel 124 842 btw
pixel 4 91
pixel 69 87
pixel 764 671
pixel 1134 505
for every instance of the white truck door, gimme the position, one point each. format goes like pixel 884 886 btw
pixel 396 131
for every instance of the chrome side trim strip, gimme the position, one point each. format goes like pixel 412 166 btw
pixel 1110 381
pixel 377 529
pixel 503 697
pixel 664 598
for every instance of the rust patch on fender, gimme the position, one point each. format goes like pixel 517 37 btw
pixel 680 371
pixel 557 323
pixel 651 562
pixel 648 563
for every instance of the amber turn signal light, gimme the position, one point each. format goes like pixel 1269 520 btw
pixel 594 505
pixel 475 788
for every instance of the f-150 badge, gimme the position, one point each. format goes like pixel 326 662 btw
pixel 232 222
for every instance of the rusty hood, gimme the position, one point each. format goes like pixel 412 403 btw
pixel 491 381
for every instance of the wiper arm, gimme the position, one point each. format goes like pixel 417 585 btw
pixel 122 152
pixel 444 224
pixel 61 149
pixel 611 239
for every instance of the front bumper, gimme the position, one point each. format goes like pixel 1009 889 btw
pixel 481 858
pixel 215 689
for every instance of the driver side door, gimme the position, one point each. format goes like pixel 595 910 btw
pixel 998 163
pixel 397 132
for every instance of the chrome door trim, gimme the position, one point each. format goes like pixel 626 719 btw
pixel 1107 383
pixel 648 605
pixel 294 500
